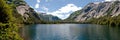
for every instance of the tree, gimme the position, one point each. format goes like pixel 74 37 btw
pixel 8 30
pixel 5 12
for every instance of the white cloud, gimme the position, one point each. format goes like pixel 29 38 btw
pixel 38 1
pixel 65 11
pixel 69 8
pixel 37 5
pixel 107 0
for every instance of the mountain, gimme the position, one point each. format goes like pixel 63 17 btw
pixel 102 11
pixel 48 17
pixel 24 13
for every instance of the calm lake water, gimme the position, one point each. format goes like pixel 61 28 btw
pixel 70 32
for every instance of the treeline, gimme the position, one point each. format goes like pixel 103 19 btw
pixel 106 20
pixel 8 27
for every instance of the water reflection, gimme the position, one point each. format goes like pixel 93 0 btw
pixel 71 32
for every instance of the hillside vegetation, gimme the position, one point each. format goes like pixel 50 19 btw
pixel 8 29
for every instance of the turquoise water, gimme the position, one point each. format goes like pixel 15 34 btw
pixel 70 32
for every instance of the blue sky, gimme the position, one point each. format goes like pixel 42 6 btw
pixel 60 8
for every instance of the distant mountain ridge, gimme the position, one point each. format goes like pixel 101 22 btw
pixel 48 17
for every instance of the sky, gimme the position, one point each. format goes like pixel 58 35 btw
pixel 59 8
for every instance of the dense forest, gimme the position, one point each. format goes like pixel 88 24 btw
pixel 8 27
pixel 106 20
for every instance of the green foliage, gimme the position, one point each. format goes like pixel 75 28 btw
pixel 4 13
pixel 8 29
pixel 9 32
pixel 106 20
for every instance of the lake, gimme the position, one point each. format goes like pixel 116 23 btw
pixel 70 32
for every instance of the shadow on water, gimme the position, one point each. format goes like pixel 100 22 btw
pixel 70 32
pixel 28 32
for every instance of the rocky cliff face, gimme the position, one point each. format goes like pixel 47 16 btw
pixel 28 13
pixel 25 10
pixel 22 8
pixel 96 10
